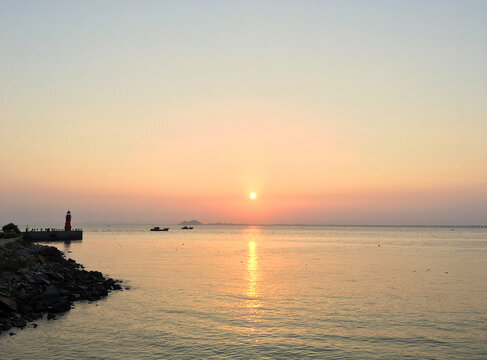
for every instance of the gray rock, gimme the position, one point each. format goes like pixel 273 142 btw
pixel 51 295
pixel 20 323
pixel 23 271
pixel 8 303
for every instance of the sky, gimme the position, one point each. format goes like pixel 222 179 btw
pixel 332 112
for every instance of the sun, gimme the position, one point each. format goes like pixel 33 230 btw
pixel 253 196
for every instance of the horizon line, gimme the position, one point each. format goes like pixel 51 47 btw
pixel 279 224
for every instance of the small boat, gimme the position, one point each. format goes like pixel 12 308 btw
pixel 187 227
pixel 157 228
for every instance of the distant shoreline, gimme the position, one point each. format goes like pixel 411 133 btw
pixel 309 225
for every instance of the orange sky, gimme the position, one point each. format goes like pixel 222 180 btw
pixel 330 117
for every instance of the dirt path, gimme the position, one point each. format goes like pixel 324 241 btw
pixel 6 241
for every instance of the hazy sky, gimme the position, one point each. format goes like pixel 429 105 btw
pixel 333 112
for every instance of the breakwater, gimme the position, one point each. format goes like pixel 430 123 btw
pixel 53 235
pixel 36 280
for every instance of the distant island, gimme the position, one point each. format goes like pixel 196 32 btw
pixel 190 222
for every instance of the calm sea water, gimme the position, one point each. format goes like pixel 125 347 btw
pixel 274 293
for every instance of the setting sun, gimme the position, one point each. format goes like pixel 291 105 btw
pixel 253 196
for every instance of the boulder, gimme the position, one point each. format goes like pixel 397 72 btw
pixel 8 304
pixel 20 323
pixel 60 306
pixel 51 295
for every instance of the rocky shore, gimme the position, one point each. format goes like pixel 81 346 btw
pixel 36 280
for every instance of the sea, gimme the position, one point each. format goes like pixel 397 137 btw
pixel 273 292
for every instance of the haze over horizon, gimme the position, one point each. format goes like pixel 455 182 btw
pixel 330 112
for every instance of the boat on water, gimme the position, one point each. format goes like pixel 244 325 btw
pixel 157 228
pixel 187 227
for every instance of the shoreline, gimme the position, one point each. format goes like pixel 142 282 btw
pixel 36 280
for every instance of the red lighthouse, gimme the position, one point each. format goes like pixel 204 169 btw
pixel 67 225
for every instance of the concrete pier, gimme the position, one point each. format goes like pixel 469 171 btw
pixel 53 235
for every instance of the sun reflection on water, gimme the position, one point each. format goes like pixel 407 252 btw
pixel 252 272
pixel 252 291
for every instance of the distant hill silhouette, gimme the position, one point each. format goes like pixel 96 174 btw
pixel 191 222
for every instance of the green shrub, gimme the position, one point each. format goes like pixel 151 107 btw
pixel 11 227
pixel 10 235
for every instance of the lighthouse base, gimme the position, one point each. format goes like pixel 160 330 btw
pixel 53 235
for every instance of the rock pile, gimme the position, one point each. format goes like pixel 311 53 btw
pixel 36 279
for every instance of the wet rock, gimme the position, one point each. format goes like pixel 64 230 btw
pixel 20 323
pixel 61 305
